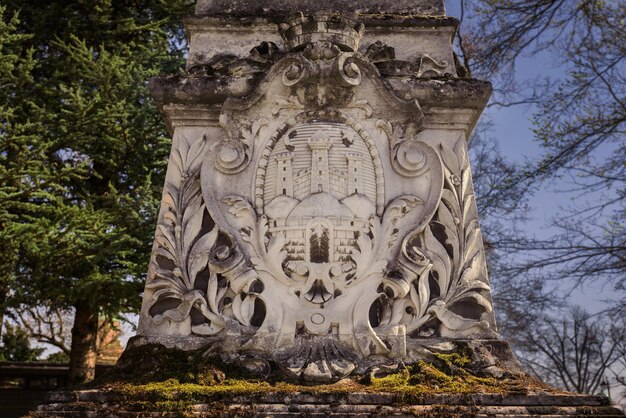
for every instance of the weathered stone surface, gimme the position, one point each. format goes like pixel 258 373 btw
pixel 267 7
pixel 357 404
pixel 444 101
pixel 159 358
pixel 151 380
pixel 413 37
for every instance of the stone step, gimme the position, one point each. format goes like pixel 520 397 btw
pixel 237 411
pixel 95 403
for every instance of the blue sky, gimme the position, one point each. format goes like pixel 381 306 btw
pixel 512 129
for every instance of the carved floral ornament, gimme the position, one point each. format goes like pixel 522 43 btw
pixel 324 227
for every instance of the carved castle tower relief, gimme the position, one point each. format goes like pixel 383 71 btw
pixel 320 170
pixel 318 211
pixel 355 181
pixel 284 174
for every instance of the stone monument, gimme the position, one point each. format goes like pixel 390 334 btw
pixel 318 220
pixel 323 217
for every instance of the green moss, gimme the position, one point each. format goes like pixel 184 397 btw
pixel 392 381
pixel 425 377
pixel 156 378
pixel 452 362
pixel 154 363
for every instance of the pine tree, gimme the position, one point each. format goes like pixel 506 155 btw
pixel 88 158
pixel 16 346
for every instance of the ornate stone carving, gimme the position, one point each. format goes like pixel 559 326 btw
pixel 324 226
pixel 384 57
pixel 342 30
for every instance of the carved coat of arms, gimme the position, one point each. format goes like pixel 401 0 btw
pixel 325 226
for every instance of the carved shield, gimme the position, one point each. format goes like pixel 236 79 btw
pixel 324 226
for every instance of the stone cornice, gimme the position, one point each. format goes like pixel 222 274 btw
pixel 441 99
pixel 372 22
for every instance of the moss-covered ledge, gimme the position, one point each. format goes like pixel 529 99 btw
pixel 169 372
pixel 152 380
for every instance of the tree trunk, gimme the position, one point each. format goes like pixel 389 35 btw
pixel 83 352
pixel 3 300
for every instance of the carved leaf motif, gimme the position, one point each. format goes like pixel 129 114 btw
pixel 385 127
pixel 166 239
pixel 385 319
pixel 440 260
pixel 453 321
pixel 445 218
pixel 266 256
pixel 465 183
pixel 211 293
pixel 248 135
pixel 472 272
pixel 461 153
pixel 473 242
pixel 459 273
pixel 240 208
pixel 199 254
pixel 169 203
pixel 478 298
pixel 178 166
pixel 449 199
pixel 399 307
pixel 195 154
pixel 449 159
pixel 181 240
pixel 420 294
pixel 363 105
pixel 400 207
pixel 164 279
pixel 162 252
pixel 362 253
pixel 468 210
pixel 366 263
pixel 243 308
pixel 192 223
pixel 291 103
pixel 182 311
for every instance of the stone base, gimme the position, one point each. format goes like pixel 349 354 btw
pixel 467 379
pixel 101 403
pixel 151 358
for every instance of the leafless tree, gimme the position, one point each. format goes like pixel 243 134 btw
pixel 580 123
pixel 576 352
pixel 53 327
pixel 46 325
pixel 503 211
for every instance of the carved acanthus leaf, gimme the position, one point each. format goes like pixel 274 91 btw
pixel 266 255
pixel 459 268
pixel 182 241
